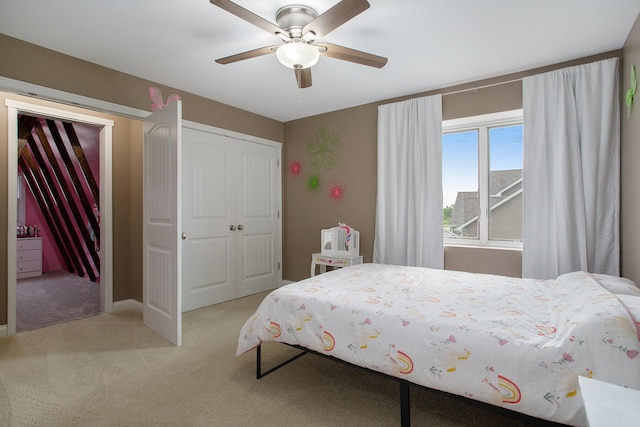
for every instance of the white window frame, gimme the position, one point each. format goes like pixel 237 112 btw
pixel 482 123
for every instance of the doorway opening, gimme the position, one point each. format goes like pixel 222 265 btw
pixel 74 204
pixel 58 227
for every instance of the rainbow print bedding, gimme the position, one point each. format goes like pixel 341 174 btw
pixel 516 343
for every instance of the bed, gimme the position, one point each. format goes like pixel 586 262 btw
pixel 515 343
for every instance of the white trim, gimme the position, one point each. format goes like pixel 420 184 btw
pixel 56 113
pixel 229 133
pixel 3 331
pixel 12 211
pixel 42 92
pixel 493 119
pixel 106 207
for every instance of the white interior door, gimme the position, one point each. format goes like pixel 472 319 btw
pixel 162 263
pixel 208 247
pixel 257 217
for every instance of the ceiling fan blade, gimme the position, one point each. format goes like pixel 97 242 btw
pixel 303 77
pixel 336 16
pixel 352 55
pixel 248 16
pixel 248 54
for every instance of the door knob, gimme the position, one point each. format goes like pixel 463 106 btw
pixel 232 227
pixel 184 236
pixel 240 227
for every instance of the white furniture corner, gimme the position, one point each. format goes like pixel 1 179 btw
pixel 29 257
pixel 609 404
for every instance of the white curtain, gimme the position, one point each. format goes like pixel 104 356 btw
pixel 571 171
pixel 409 199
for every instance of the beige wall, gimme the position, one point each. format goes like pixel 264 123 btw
pixel 630 182
pixel 307 213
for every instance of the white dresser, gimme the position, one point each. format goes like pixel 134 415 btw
pixel 29 257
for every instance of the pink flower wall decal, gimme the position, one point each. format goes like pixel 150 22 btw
pixel 336 193
pixel 295 168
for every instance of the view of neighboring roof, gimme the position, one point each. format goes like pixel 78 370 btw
pixel 503 185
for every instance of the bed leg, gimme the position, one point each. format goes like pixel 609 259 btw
pixel 260 373
pixel 405 414
pixel 258 363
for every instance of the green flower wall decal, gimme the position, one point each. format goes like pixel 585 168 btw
pixel 322 149
pixel 313 183
pixel 631 92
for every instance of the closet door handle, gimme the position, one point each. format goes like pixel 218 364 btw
pixel 184 236
pixel 232 227
pixel 240 227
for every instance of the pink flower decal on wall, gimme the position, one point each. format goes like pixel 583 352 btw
pixel 295 168
pixel 336 193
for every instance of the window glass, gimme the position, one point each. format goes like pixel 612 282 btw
pixel 460 184
pixel 505 183
pixel 482 179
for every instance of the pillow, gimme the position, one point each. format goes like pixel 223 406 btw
pixel 617 285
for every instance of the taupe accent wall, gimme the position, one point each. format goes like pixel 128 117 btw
pixel 304 213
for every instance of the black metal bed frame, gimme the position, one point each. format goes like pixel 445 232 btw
pixel 405 412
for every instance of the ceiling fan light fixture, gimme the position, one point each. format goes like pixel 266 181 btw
pixel 297 55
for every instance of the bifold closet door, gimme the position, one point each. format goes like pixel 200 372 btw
pixel 257 210
pixel 230 198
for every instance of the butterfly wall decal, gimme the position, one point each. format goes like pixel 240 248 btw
pixel 156 99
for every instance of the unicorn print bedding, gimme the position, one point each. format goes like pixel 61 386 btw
pixel 515 343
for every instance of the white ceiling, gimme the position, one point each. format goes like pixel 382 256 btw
pixel 430 44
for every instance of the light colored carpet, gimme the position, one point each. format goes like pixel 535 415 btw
pixel 55 297
pixel 111 370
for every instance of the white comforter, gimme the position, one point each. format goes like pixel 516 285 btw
pixel 515 343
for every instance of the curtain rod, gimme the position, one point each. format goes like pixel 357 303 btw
pixel 475 89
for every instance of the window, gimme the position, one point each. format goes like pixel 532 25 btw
pixel 482 179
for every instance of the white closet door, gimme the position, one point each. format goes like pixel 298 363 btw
pixel 257 210
pixel 209 275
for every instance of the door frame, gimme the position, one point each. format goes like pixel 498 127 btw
pixel 14 108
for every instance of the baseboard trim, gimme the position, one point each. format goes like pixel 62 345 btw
pixel 4 331
pixel 127 304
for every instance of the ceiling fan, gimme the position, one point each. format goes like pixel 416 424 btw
pixel 299 27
